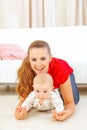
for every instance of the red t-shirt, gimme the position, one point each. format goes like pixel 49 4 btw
pixel 59 70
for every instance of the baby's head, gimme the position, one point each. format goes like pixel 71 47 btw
pixel 43 85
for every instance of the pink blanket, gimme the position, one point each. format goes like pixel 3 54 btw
pixel 11 52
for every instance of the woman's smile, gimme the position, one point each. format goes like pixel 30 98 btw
pixel 39 69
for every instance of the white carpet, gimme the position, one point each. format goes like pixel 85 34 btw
pixel 40 120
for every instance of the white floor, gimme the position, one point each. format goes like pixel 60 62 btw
pixel 40 120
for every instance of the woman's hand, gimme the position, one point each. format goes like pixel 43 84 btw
pixel 20 113
pixel 61 116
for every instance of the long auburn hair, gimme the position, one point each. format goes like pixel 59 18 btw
pixel 25 73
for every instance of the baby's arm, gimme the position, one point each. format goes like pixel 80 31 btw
pixel 23 107
pixel 57 102
pixel 20 113
pixel 28 102
pixel 58 112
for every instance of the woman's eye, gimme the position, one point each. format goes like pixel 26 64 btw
pixel 33 59
pixel 43 58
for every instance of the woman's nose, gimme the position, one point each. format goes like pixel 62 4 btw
pixel 38 63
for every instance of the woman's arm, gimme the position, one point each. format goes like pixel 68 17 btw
pixel 67 95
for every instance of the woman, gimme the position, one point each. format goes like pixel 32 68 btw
pixel 38 60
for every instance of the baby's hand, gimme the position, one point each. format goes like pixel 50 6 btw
pixel 20 113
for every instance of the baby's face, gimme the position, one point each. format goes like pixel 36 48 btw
pixel 42 92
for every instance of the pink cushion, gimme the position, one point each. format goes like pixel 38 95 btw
pixel 11 52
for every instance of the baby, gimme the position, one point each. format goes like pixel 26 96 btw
pixel 43 97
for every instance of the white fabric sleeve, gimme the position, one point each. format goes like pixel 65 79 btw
pixel 28 103
pixel 57 102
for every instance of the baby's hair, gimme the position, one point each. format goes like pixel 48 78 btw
pixel 42 78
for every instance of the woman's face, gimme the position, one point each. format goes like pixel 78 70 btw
pixel 39 59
